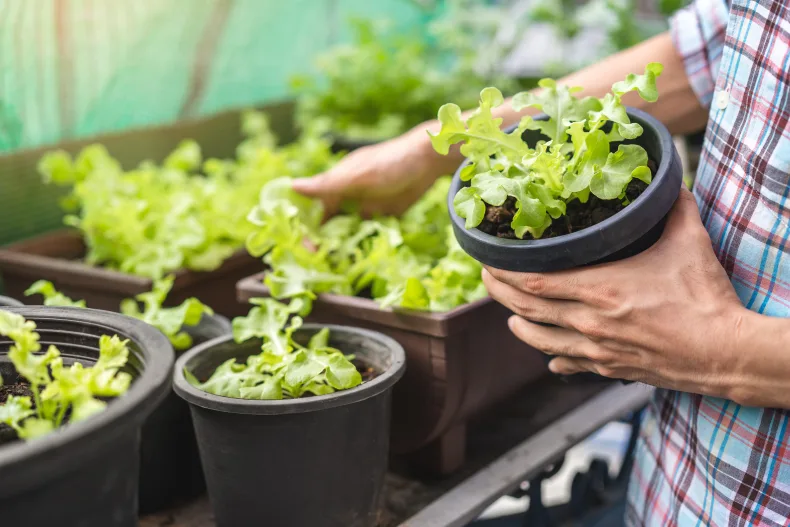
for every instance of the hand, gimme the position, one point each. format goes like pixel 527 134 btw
pixel 385 178
pixel 668 316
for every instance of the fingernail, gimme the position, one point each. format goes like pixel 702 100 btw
pixel 553 367
pixel 511 322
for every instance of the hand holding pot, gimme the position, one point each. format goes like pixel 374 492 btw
pixel 385 178
pixel 668 316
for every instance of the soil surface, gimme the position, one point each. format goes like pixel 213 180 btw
pixel 579 215
pixel 367 372
pixel 18 389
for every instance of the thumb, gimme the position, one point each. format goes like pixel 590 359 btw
pixel 685 208
pixel 683 216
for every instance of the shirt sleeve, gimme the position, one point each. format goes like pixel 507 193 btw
pixel 698 32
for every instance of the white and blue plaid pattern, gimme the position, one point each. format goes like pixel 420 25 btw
pixel 702 460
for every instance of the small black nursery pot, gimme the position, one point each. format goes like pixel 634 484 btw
pixel 310 461
pixel 170 468
pixel 84 474
pixel 628 232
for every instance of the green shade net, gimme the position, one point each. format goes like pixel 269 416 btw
pixel 76 68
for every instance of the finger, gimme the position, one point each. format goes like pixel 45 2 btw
pixel 531 307
pixel 570 366
pixel 564 285
pixel 551 340
pixel 324 187
pixel 335 182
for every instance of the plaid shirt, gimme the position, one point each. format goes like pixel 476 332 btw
pixel 702 460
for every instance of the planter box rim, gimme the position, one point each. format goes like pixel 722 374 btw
pixel 16 256
pixel 439 321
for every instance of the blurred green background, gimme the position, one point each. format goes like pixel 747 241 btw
pixel 75 69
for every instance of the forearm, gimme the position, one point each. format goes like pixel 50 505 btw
pixel 761 369
pixel 677 106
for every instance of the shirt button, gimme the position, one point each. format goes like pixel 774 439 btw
pixel 722 99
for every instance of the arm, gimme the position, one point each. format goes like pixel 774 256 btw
pixel 762 345
pixel 677 107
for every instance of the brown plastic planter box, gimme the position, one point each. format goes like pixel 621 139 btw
pixel 56 257
pixel 459 364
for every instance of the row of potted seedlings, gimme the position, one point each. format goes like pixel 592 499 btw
pixel 590 184
pixel 448 381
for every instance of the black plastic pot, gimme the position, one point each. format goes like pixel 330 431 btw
pixel 85 474
pixel 309 461
pixel 6 301
pixel 170 469
pixel 625 234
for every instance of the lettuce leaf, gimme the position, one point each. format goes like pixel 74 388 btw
pixel 169 320
pixel 284 368
pixel 52 297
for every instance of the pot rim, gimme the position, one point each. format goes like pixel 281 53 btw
pixel 147 390
pixel 7 301
pixel 216 321
pixel 589 234
pixel 381 383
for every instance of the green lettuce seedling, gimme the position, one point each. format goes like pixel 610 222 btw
pixel 169 320
pixel 411 262
pixel 284 369
pixel 52 297
pixel 384 82
pixel 186 212
pixel 58 391
pixel 574 161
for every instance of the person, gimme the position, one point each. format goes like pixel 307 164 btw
pixel 704 314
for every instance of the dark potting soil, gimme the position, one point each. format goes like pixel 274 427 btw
pixel 22 389
pixel 368 372
pixel 578 215
pixel 19 389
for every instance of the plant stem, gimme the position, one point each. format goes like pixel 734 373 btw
pixel 37 399
pixel 60 415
